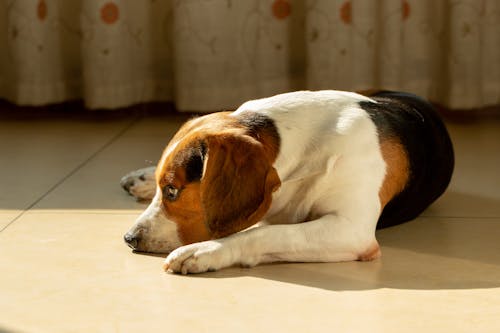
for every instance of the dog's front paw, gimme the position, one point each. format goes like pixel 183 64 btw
pixel 140 183
pixel 199 257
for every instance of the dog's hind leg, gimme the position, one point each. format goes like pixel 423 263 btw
pixel 140 183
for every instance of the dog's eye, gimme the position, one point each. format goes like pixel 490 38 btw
pixel 170 192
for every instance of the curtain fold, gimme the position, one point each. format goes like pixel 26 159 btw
pixel 208 55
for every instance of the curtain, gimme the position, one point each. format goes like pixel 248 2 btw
pixel 208 55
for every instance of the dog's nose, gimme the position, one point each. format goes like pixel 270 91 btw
pixel 132 240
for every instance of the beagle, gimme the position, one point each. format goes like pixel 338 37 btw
pixel 298 177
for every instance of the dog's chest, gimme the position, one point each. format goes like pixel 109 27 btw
pixel 296 200
pixel 288 206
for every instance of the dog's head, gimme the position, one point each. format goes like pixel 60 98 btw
pixel 215 178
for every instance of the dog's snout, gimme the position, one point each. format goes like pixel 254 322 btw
pixel 132 240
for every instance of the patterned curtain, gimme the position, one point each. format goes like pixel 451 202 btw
pixel 208 55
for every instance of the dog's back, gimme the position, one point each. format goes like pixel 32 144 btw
pixel 428 146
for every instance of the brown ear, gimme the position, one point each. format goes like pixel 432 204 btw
pixel 237 186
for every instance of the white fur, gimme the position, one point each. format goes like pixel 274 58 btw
pixel 326 209
pixel 158 233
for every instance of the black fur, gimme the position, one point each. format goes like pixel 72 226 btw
pixel 194 162
pixel 258 124
pixel 430 152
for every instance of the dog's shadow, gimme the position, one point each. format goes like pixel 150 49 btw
pixel 431 252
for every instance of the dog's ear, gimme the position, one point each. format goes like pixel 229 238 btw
pixel 237 184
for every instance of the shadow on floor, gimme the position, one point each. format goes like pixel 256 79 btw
pixel 5 330
pixel 458 204
pixel 418 272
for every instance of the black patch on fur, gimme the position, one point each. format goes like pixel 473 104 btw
pixel 257 124
pixel 194 162
pixel 416 124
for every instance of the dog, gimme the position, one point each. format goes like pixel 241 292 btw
pixel 298 177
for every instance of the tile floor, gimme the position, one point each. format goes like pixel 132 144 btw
pixel 64 267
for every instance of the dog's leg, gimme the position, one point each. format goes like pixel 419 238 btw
pixel 140 183
pixel 330 238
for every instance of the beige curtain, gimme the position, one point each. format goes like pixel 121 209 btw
pixel 210 55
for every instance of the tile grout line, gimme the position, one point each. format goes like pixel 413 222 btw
pixel 72 172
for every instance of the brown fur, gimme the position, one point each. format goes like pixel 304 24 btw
pixel 188 212
pixel 236 189
pixel 397 170
pixel 238 184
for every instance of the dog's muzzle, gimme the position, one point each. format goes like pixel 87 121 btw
pixel 132 240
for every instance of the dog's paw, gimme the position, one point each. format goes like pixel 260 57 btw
pixel 200 257
pixel 140 183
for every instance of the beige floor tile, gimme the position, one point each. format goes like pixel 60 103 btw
pixel 6 216
pixel 161 126
pixel 477 147
pixel 69 272
pixel 97 185
pixel 38 154
pixel 474 190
